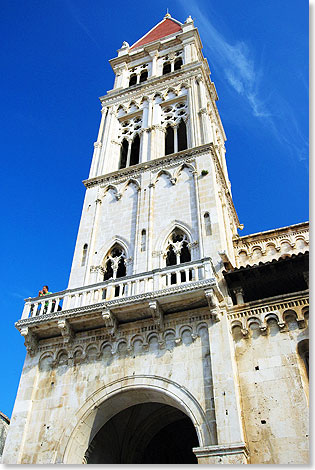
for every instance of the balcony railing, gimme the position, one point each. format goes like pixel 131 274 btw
pixel 128 286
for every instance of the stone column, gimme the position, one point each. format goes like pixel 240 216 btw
pixel 98 146
pixel 230 447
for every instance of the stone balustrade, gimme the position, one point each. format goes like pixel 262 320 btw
pixel 124 287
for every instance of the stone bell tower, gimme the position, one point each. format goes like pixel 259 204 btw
pixel 141 335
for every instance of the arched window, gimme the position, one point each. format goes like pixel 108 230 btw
pixel 177 252
pixel 178 63
pixel 181 136
pixel 169 140
pixel 135 150
pixel 133 79
pixel 166 68
pixel 84 253
pixel 207 223
pixel 114 266
pixel 143 240
pixel 143 76
pixel 123 154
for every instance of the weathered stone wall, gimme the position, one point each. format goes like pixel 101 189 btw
pixel 57 383
pixel 274 393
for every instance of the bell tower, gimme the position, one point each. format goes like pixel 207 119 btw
pixel 141 332
pixel 158 165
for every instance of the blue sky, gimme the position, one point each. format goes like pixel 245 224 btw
pixel 54 59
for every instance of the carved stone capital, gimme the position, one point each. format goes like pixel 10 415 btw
pixel 31 341
pixel 66 330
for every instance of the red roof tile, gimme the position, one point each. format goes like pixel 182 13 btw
pixel 166 27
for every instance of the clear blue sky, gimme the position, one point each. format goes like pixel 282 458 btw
pixel 54 60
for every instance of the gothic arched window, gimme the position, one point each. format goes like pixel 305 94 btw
pixel 169 140
pixel 143 76
pixel 177 250
pixel 123 154
pixel 178 63
pixel 181 136
pixel 133 79
pixel 166 68
pixel 135 150
pixel 115 266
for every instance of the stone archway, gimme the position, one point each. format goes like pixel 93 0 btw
pixel 150 432
pixel 112 399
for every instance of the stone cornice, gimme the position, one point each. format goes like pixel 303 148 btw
pixel 269 235
pixel 136 170
pixel 124 301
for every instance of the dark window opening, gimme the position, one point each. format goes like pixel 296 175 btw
pixel 143 240
pixel 169 140
pixel 84 253
pixel 207 223
pixel 123 154
pixel 135 150
pixel 143 76
pixel 182 136
pixel 178 63
pixel 108 274
pixel 166 68
pixel 133 80
pixel 185 256
pixel 121 271
pixel 171 257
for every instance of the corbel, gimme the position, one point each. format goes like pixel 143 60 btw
pixel 213 303
pixel 66 330
pixel 110 321
pixel 157 314
pixel 263 330
pixel 31 341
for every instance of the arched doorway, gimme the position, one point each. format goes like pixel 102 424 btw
pixel 147 433
pixel 116 397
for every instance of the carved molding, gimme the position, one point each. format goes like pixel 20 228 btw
pixel 31 341
pixel 157 314
pixel 66 330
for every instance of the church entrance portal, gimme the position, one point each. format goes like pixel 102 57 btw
pixel 151 433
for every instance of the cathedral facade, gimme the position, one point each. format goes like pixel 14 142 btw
pixel 176 340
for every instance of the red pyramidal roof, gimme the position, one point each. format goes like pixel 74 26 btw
pixel 164 28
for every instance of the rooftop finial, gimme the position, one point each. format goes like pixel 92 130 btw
pixel 167 14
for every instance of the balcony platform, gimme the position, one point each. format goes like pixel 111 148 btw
pixel 88 307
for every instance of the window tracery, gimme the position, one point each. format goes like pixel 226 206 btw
pixel 177 248
pixel 115 263
pixel 130 145
pixel 174 117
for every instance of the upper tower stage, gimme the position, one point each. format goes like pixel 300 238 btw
pixel 162 101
